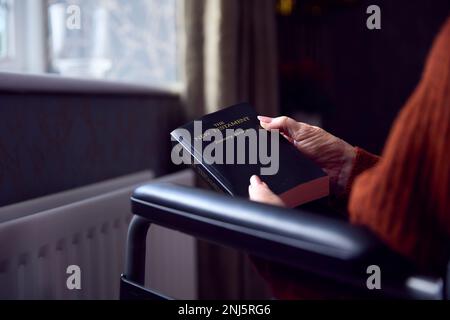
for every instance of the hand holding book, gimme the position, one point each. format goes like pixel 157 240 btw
pixel 259 191
pixel 333 155
pixel 229 146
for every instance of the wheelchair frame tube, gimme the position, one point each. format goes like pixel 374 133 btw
pixel 136 250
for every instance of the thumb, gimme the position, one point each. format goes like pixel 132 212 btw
pixel 260 192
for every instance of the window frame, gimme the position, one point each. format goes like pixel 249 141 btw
pixel 30 38
pixel 27 47
pixel 10 43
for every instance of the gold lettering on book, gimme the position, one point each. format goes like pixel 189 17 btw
pixel 220 126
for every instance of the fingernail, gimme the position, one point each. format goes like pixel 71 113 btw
pixel 255 180
pixel 265 119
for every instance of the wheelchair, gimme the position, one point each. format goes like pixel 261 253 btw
pixel 320 245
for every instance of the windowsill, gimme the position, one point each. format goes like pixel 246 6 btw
pixel 45 83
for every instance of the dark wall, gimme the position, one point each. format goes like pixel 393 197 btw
pixel 356 78
pixel 50 142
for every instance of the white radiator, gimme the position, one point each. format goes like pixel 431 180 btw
pixel 87 227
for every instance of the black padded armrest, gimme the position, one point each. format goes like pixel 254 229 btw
pixel 185 209
pixel 314 243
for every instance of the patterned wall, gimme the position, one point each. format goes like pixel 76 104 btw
pixel 55 142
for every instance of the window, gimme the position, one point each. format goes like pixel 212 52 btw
pixel 6 29
pixel 22 46
pixel 132 41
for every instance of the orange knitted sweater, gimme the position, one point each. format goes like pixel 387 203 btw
pixel 404 196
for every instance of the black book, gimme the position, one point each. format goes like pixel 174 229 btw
pixel 288 173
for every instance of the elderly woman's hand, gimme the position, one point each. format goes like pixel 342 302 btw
pixel 333 155
pixel 260 192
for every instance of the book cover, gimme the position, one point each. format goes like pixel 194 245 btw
pixel 227 147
